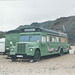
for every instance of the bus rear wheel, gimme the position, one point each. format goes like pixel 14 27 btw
pixel 36 57
pixel 61 52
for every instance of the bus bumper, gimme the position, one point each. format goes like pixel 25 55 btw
pixel 24 56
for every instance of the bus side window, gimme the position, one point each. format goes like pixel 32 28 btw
pixel 57 39
pixel 43 38
pixel 63 39
pixel 52 39
pixel 48 38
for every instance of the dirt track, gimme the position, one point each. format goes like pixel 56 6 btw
pixel 52 65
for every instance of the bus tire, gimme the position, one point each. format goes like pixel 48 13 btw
pixel 36 57
pixel 61 52
pixel 68 52
pixel 13 59
pixel 4 53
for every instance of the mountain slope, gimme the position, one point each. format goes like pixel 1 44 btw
pixel 67 22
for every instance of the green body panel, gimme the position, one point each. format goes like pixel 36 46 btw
pixel 13 37
pixel 54 45
pixel 24 47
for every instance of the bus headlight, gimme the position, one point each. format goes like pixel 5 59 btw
pixel 30 49
pixel 7 48
pixel 12 49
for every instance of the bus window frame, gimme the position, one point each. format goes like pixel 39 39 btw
pixel 45 38
pixel 64 41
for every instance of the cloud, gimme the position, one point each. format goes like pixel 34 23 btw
pixel 16 13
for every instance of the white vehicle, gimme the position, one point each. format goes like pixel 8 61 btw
pixel 2 45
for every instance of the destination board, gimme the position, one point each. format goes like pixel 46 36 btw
pixel 29 29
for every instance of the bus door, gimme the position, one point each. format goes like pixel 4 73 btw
pixel 44 44
pixel 50 44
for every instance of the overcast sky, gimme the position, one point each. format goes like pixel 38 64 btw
pixel 14 13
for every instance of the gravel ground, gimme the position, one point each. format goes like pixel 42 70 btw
pixel 52 65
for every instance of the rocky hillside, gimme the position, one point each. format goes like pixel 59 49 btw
pixel 2 34
pixel 64 24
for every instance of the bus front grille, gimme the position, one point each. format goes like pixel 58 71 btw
pixel 21 48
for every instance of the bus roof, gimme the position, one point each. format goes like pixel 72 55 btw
pixel 39 29
pixel 36 29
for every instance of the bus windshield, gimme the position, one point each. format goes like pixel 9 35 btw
pixel 30 38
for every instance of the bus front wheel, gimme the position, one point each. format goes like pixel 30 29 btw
pixel 36 57
pixel 13 58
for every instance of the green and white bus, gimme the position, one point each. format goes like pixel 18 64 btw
pixel 10 39
pixel 35 42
